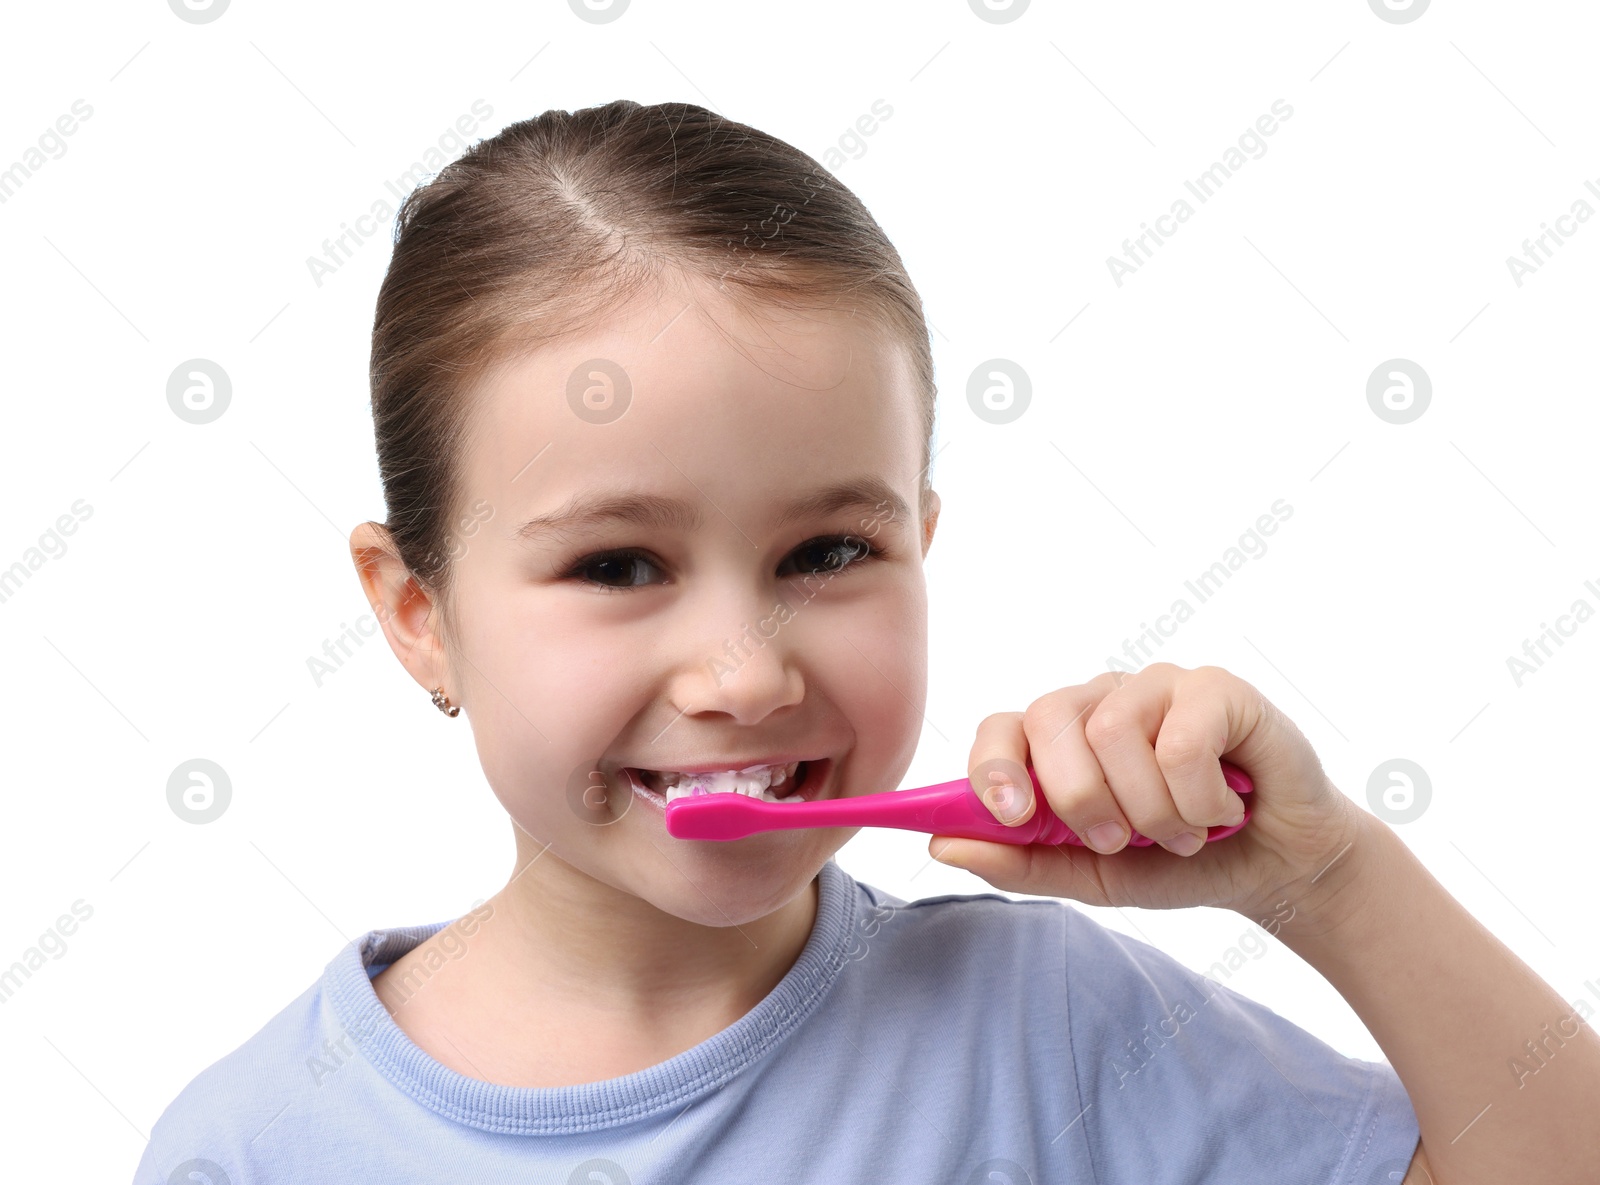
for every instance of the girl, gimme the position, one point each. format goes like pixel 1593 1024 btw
pixel 653 400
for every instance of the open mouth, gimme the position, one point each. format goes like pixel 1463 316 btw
pixel 796 781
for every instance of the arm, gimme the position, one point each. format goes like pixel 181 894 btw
pixel 1503 1076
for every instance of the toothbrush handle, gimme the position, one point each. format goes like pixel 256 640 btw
pixel 949 808
pixel 950 811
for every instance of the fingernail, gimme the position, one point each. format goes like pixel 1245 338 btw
pixel 1186 844
pixel 1236 820
pixel 1007 803
pixel 1106 838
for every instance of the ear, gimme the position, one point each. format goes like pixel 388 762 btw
pixel 402 606
pixel 930 522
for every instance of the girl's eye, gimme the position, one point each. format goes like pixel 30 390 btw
pixel 612 570
pixel 831 553
pixel 617 571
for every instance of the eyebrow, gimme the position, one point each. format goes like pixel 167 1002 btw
pixel 654 512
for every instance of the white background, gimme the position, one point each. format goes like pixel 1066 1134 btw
pixel 1168 413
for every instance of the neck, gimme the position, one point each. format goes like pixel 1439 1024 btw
pixel 566 979
pixel 588 945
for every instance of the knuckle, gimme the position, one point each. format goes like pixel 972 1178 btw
pixel 1047 717
pixel 1177 748
pixel 1107 726
pixel 1078 801
pixel 998 720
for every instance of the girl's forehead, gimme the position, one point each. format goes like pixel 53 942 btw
pixel 689 389
pixel 694 342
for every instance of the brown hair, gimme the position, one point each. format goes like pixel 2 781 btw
pixel 557 220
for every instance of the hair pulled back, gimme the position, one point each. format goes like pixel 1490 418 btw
pixel 557 219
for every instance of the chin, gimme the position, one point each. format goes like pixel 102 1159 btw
pixel 734 892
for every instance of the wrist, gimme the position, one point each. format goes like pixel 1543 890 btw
pixel 1341 886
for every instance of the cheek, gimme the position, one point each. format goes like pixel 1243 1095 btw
pixel 879 668
pixel 891 717
pixel 547 700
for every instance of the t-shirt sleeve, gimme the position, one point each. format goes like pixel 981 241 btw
pixel 1181 1079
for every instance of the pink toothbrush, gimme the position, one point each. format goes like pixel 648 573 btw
pixel 948 808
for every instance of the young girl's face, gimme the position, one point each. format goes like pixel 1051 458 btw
pixel 705 598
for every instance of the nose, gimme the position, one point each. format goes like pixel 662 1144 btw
pixel 745 674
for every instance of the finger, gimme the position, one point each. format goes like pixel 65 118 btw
pixel 996 770
pixel 1074 784
pixel 1062 870
pixel 1121 732
pixel 1212 707
pixel 1001 864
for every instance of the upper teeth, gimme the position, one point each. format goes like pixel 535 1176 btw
pixel 752 781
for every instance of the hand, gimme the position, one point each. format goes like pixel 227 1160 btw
pixel 1142 751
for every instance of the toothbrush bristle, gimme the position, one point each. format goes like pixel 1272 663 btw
pixel 714 822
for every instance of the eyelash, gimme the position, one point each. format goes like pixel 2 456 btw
pixel 866 551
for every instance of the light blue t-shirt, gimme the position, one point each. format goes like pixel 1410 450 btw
pixel 956 1039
